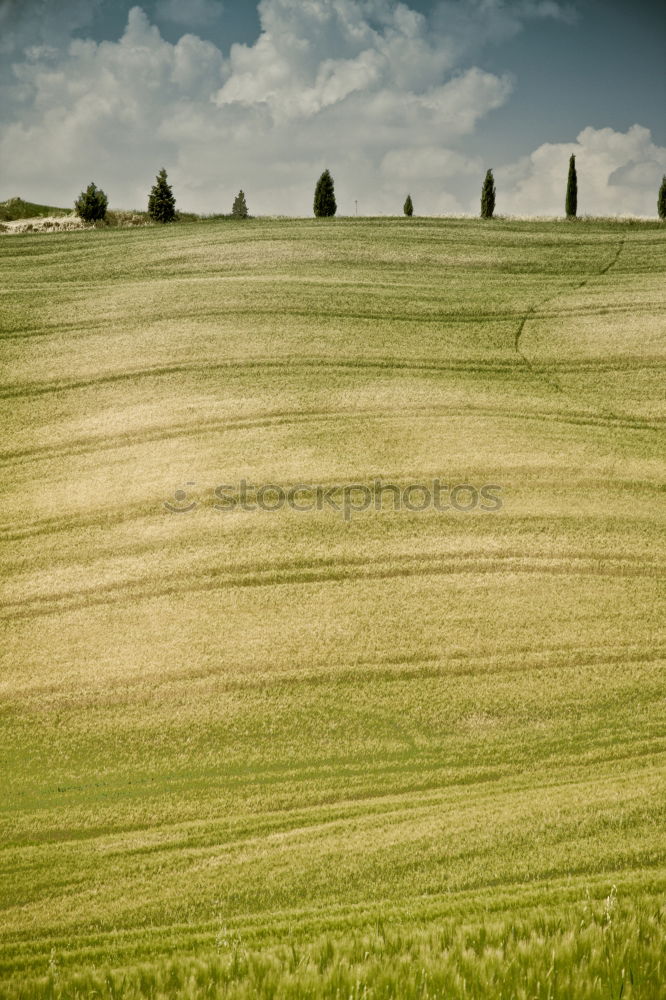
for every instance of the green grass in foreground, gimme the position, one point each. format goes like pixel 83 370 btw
pixel 593 950
pixel 258 754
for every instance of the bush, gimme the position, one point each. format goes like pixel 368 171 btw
pixel 239 210
pixel 161 203
pixel 408 207
pixel 91 204
pixel 324 199
pixel 488 196
pixel 123 218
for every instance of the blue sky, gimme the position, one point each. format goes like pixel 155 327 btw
pixel 393 97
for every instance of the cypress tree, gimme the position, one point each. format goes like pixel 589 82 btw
pixel 661 200
pixel 161 203
pixel 324 197
pixel 571 202
pixel 488 196
pixel 408 207
pixel 91 204
pixel 239 211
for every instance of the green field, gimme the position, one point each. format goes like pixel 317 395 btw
pixel 287 755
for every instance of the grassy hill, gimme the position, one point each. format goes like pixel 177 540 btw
pixel 285 754
pixel 17 208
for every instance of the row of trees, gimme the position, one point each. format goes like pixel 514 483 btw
pixel 570 198
pixel 324 201
pixel 91 205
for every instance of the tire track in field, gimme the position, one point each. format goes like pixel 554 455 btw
pixel 334 570
pixel 289 361
pixel 535 310
pixel 240 567
pixel 613 262
pixel 398 668
pixel 113 517
pixel 83 329
pixel 27 952
pixel 248 313
pixel 128 439
pixel 29 389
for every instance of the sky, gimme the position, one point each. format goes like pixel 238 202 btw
pixel 420 96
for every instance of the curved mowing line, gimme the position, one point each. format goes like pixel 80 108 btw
pixel 83 446
pixel 325 562
pixel 382 364
pixel 613 262
pixel 585 366
pixel 511 659
pixel 28 389
pixel 83 329
pixel 532 311
pixel 344 571
pixel 115 516
pixel 247 314
pixel 155 940
pixel 386 669
pixel 604 310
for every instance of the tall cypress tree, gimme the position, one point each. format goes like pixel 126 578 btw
pixel 488 196
pixel 408 207
pixel 661 199
pixel 571 201
pixel 324 197
pixel 161 203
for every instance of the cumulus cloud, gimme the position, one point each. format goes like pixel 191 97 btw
pixel 618 174
pixel 337 82
pixel 431 163
pixel 311 55
pixel 103 111
pixel 373 89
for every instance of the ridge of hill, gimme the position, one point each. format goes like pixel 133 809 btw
pixel 16 208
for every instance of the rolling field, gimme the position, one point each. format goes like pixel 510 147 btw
pixel 288 754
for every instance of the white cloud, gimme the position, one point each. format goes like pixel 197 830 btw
pixel 429 163
pixel 328 82
pixel 102 111
pixel 314 53
pixel 618 174
pixel 372 89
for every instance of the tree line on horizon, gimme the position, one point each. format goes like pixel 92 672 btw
pixel 92 204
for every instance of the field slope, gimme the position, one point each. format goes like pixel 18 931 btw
pixel 16 208
pixel 284 754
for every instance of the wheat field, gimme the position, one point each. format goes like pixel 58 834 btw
pixel 289 754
